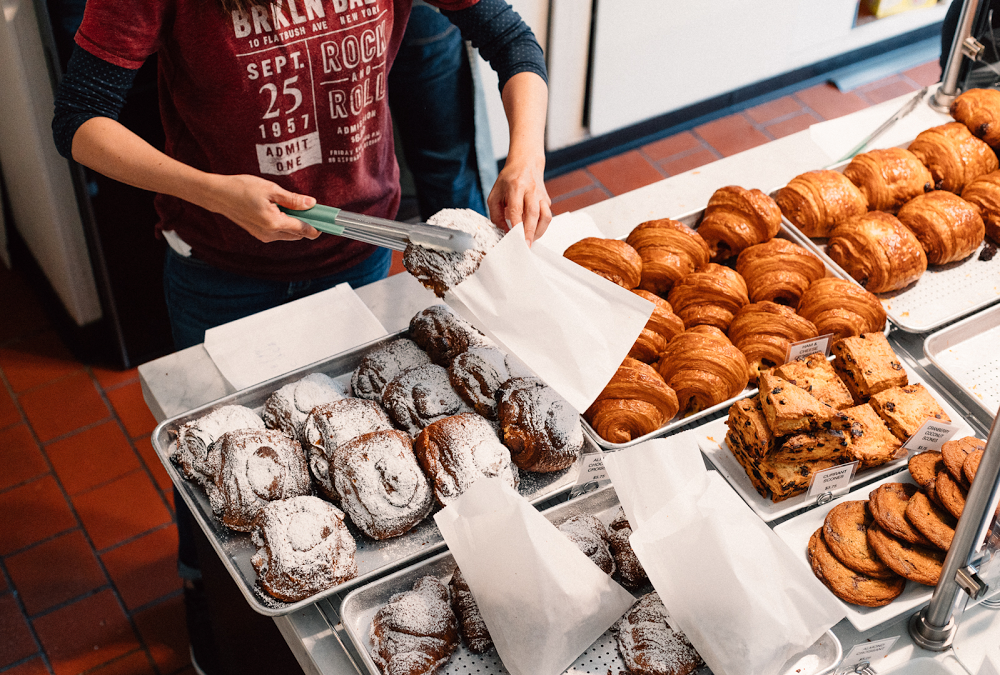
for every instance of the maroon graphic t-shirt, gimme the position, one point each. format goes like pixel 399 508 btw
pixel 294 91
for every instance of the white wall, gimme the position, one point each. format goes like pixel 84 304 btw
pixel 38 180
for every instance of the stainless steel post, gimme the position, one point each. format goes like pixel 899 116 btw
pixel 942 98
pixel 933 628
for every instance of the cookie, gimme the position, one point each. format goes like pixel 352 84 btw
pixel 955 452
pixel 971 465
pixel 887 504
pixel 925 467
pixel 847 584
pixel 916 563
pixel 845 533
pixel 951 494
pixel 933 522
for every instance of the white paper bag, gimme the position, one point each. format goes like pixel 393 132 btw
pixel 566 229
pixel 739 594
pixel 572 327
pixel 542 599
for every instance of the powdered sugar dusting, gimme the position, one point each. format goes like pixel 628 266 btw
pixel 286 409
pixel 420 396
pixel 195 438
pixel 440 270
pixel 541 429
pixel 383 363
pixel 476 375
pixel 415 627
pixel 591 537
pixel 303 548
pixel 648 645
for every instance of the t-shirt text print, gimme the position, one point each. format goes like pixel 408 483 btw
pixel 320 70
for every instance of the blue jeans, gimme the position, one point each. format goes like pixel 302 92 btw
pixel 200 296
pixel 431 97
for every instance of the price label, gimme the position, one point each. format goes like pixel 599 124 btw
pixel 867 652
pixel 593 470
pixel 832 479
pixel 814 345
pixel 930 436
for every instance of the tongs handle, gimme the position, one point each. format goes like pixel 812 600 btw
pixel 323 218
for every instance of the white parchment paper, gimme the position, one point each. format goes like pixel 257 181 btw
pixel 542 599
pixel 729 583
pixel 571 327
pixel 566 229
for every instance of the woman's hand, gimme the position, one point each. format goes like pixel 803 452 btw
pixel 519 196
pixel 252 203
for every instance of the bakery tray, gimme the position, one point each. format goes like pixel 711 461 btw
pixel 692 220
pixel 711 440
pixel 360 605
pixel 373 557
pixel 967 354
pixel 942 294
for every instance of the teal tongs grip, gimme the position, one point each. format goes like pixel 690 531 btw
pixel 323 218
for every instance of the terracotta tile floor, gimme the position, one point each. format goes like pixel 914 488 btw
pixel 87 538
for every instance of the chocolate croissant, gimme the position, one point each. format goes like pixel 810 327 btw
pixel 878 251
pixel 889 178
pixel 737 218
pixel 670 250
pixel 818 201
pixel 979 110
pixel 763 331
pixel 710 296
pixel 841 308
pixel 662 325
pixel 984 194
pixel 947 227
pixel 779 271
pixel 613 259
pixel 704 368
pixel 634 403
pixel 953 155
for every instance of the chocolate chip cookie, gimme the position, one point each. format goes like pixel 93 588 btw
pixel 887 504
pixel 916 563
pixel 933 522
pixel 925 467
pixel 845 534
pixel 955 453
pixel 845 583
pixel 951 494
pixel 971 465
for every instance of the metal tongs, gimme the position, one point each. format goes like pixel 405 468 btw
pixel 885 126
pixel 381 232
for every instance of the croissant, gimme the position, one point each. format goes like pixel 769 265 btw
pixel 878 251
pixel 984 194
pixel 661 327
pixel 634 403
pixel 779 271
pixel 736 218
pixel 670 250
pixel 763 331
pixel 979 110
pixel 947 227
pixel 841 308
pixel 612 259
pixel 712 295
pixel 704 368
pixel 818 201
pixel 953 155
pixel 416 632
pixel 889 178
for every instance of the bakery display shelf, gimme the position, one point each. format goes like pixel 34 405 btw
pixel 967 354
pixel 373 557
pixel 361 604
pixel 711 440
pixel 796 532
pixel 942 294
pixel 692 220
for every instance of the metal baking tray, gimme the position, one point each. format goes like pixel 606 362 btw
pixel 373 557
pixel 692 219
pixel 968 354
pixel 942 294
pixel 360 605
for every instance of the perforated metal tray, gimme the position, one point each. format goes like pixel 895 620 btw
pixel 692 220
pixel 360 605
pixel 942 294
pixel 968 354
pixel 373 557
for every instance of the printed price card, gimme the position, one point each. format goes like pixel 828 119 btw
pixel 832 479
pixel 867 652
pixel 931 436
pixel 814 345
pixel 593 470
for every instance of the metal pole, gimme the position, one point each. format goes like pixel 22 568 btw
pixel 942 98
pixel 934 627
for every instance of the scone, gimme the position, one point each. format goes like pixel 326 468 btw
pixel 867 365
pixel 790 409
pixel 747 423
pixel 833 445
pixel 872 443
pixel 905 409
pixel 814 374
